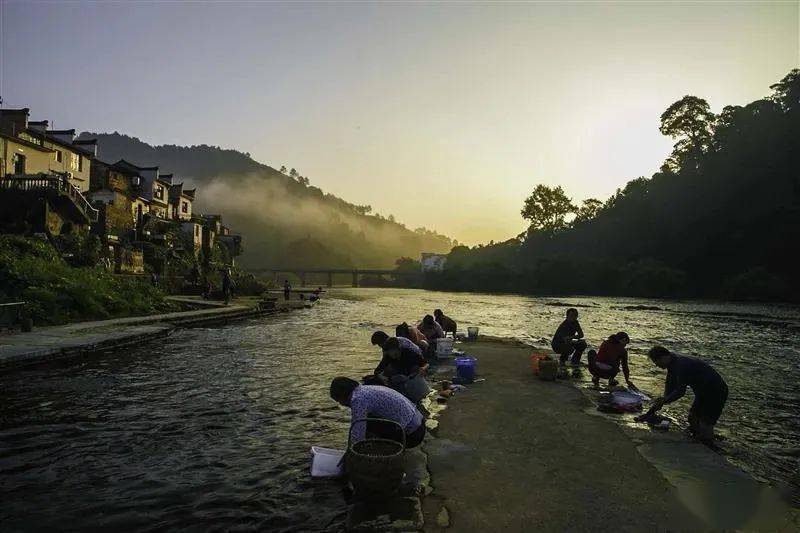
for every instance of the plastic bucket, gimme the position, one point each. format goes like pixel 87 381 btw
pixel 465 368
pixel 472 333
pixel 325 462
pixel 536 359
pixel 444 347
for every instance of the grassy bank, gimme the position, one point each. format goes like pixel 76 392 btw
pixel 56 293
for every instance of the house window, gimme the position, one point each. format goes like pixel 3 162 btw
pixel 19 164
pixel 76 163
pixel 184 207
pixel 30 138
pixel 80 164
pixel 197 231
pixel 159 192
pixel 59 157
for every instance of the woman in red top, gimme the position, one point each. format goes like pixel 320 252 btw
pixel 606 362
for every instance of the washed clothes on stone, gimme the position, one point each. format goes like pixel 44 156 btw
pixel 382 402
pixel 710 390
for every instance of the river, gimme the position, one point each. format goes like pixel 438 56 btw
pixel 210 428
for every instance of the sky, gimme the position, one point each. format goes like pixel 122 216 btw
pixel 445 115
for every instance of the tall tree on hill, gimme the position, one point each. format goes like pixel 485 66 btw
pixel 547 208
pixel 691 121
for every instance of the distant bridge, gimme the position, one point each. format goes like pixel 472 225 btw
pixel 356 273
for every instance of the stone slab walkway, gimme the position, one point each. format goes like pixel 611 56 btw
pixel 57 342
pixel 515 453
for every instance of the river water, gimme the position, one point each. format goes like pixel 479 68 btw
pixel 209 429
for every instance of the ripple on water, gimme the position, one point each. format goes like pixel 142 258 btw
pixel 210 428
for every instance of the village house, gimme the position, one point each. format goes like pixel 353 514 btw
pixel 181 201
pixel 52 182
pixel 43 176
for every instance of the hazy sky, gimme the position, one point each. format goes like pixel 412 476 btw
pixel 445 115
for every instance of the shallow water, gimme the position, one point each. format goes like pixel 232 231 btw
pixel 209 429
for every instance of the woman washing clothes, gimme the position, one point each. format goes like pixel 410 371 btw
pixel 374 401
pixel 606 363
pixel 413 334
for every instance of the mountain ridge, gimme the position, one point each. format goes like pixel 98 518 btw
pixel 281 216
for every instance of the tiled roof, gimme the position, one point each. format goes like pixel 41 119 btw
pixel 131 165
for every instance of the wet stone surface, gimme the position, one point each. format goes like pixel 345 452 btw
pixel 397 514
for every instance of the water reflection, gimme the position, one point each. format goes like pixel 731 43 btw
pixel 210 428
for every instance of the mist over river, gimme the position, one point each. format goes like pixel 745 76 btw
pixel 209 429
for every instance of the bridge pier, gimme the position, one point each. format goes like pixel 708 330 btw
pixel 355 278
pixel 330 279
pixel 302 279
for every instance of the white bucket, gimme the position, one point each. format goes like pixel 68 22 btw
pixel 325 462
pixel 472 333
pixel 444 347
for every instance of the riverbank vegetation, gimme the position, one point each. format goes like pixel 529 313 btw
pixel 55 292
pixel 720 219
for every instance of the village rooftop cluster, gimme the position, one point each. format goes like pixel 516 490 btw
pixel 54 184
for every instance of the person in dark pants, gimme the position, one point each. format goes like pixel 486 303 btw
pixel 227 285
pixel 372 401
pixel 287 289
pixel 568 339
pixel 710 390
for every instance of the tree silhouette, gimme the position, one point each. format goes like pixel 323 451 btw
pixel 589 210
pixel 547 208
pixel 691 121
pixel 787 91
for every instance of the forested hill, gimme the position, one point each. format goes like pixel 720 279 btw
pixel 720 219
pixel 284 219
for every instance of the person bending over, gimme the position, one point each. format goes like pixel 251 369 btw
pixel 378 402
pixel 447 323
pixel 568 339
pixel 430 328
pixel 606 363
pixel 413 334
pixel 400 358
pixel 710 390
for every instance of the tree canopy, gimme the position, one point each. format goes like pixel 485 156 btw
pixel 547 208
pixel 721 219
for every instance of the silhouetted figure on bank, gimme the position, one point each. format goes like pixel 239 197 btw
pixel 710 390
pixel 606 363
pixel 287 289
pixel 568 339
pixel 227 285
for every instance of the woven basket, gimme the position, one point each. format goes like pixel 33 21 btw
pixel 375 466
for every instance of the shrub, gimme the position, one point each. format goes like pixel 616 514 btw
pixel 56 292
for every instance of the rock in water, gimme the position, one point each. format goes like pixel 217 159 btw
pixel 443 518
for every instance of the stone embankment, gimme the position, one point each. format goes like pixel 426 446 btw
pixel 81 338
